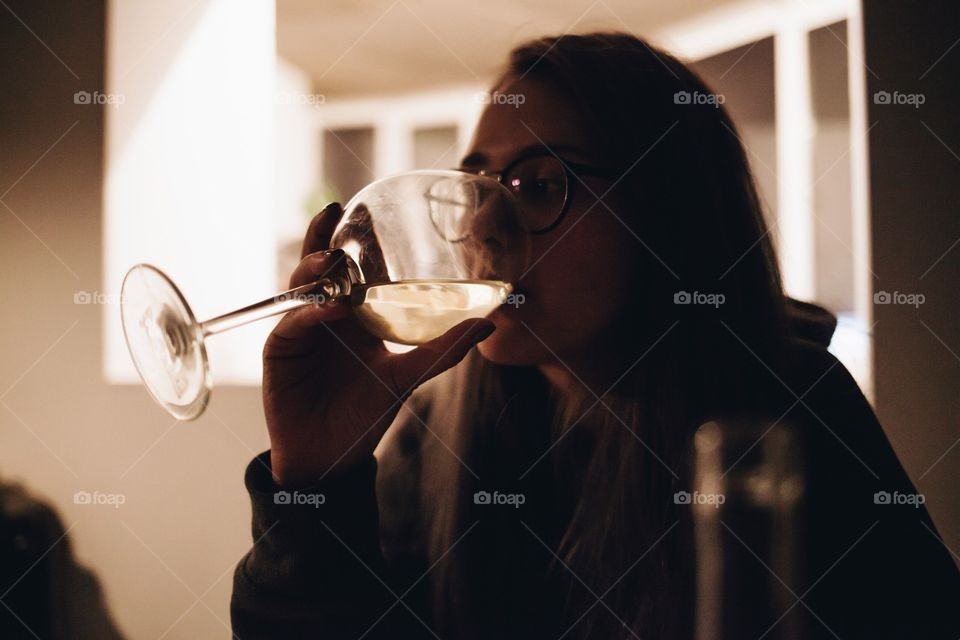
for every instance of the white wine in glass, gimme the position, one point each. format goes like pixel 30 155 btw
pixel 423 251
pixel 415 311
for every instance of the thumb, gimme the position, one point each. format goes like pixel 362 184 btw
pixel 432 358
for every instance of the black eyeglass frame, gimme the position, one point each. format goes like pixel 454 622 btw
pixel 572 171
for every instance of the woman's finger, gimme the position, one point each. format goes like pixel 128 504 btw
pixel 318 265
pixel 321 229
pixel 286 338
pixel 432 358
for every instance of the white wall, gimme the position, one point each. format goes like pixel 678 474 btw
pixel 63 428
pixel 297 166
pixel 189 166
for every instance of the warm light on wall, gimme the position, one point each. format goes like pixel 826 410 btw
pixel 189 162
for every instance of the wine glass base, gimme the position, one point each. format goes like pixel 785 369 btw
pixel 165 342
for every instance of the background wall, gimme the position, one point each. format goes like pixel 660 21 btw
pixel 189 161
pixel 912 49
pixel 185 522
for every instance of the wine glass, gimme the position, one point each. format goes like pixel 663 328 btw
pixel 424 250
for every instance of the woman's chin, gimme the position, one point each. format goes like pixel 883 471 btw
pixel 493 352
pixel 510 347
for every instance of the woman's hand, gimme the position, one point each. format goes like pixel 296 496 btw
pixel 330 388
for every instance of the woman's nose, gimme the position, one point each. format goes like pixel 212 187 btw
pixel 497 239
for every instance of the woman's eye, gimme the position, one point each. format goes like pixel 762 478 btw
pixel 541 186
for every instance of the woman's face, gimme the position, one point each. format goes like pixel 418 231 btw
pixel 568 300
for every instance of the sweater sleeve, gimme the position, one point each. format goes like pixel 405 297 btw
pixel 316 569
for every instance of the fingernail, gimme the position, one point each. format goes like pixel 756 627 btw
pixel 332 253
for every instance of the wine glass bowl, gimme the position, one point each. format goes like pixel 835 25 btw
pixel 434 248
pixel 433 224
pixel 424 250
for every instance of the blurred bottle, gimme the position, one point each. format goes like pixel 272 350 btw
pixel 748 484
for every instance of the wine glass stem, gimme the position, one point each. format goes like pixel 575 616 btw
pixel 319 292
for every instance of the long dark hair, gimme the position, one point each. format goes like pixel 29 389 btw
pixel 695 209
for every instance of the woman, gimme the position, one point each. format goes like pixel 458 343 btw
pixel 577 408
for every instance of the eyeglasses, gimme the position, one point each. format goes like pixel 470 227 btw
pixel 542 184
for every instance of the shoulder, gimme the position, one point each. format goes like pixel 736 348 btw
pixel 844 443
pixel 863 554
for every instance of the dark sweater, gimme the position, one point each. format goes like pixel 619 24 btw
pixel 353 563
